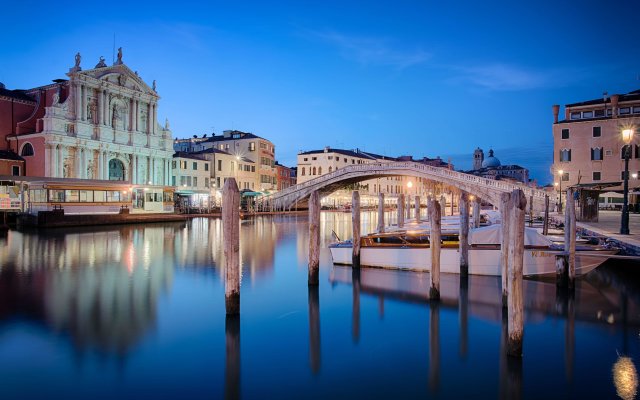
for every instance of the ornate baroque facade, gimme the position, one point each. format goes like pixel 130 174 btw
pixel 99 124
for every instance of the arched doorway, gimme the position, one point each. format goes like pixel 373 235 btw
pixel 116 170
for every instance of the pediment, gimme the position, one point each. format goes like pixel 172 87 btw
pixel 120 75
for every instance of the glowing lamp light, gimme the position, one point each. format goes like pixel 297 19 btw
pixel 560 172
pixel 634 175
pixel 149 182
pixel 409 184
pixel 627 135
pixel 555 184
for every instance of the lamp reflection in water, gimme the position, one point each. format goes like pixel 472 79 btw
pixel 314 328
pixel 625 378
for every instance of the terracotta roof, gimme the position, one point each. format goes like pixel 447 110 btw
pixel 351 153
pixel 631 96
pixel 182 154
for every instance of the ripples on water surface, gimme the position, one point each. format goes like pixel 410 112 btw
pixel 138 311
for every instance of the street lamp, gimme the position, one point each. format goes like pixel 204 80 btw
pixel 627 135
pixel 560 173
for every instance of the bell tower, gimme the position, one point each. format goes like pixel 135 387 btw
pixel 478 157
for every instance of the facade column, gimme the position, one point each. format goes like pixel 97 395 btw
pixel 78 101
pixel 78 164
pixel 60 165
pixel 105 107
pixel 137 116
pixel 149 118
pixel 53 161
pixel 106 165
pixel 99 108
pixel 84 102
pixel 153 119
pixel 130 127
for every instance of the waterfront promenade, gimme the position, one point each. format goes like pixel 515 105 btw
pixel 608 225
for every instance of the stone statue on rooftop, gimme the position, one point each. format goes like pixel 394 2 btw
pixel 78 59
pixel 101 63
pixel 119 59
pixel 153 85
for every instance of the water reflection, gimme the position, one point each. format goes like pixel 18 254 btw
pixel 232 359
pixel 314 328
pixel 625 378
pixel 434 346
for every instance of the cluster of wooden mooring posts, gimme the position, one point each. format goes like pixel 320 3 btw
pixel 513 208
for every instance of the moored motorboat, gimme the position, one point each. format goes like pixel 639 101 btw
pixel 410 250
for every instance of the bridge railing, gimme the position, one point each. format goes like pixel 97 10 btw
pixel 410 166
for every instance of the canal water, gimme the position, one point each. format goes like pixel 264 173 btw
pixel 130 312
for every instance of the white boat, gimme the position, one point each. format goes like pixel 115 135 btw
pixel 410 250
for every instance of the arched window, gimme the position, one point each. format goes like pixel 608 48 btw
pixel 330 168
pixel 302 171
pixel 116 170
pixel 314 171
pixel 596 153
pixel 565 155
pixel 27 150
pixel 319 170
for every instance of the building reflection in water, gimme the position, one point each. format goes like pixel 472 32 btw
pixel 355 314
pixel 101 285
pixel 314 328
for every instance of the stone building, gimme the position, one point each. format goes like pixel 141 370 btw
pixel 254 162
pixel 285 176
pixel 100 123
pixel 588 146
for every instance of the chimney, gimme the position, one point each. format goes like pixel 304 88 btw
pixel 556 111
pixel 614 105
pixel 326 149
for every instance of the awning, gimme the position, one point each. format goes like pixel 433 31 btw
pixel 597 185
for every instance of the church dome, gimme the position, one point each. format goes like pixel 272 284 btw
pixel 491 161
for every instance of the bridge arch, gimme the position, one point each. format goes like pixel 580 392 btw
pixel 487 189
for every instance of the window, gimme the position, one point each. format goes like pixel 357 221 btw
pixel 113 195
pixel 183 180
pixel 206 166
pixel 596 154
pixel 565 155
pixel 219 165
pixel 99 196
pixel 188 181
pixel 575 115
pixel 15 170
pixel 173 180
pixel 330 168
pixel 195 181
pixel 636 110
pixel 624 110
pixel 302 171
pixel 319 170
pixel 565 134
pixel 252 146
pixel 236 136
pixel 314 171
pixel 27 150
pixel 330 158
pixel 195 166
pixel 306 159
pixel 206 182
pixel 609 112
pixel 623 152
pixel 72 195
pixel 598 113
pixel 253 168
pixel 597 131
pixel 637 151
pixel 596 176
pixel 587 114
pixel 173 164
pixel 565 177
pixel 218 181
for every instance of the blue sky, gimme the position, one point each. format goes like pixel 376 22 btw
pixel 406 77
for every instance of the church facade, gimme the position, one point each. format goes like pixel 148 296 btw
pixel 101 123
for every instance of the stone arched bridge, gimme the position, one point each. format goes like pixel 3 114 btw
pixel 487 189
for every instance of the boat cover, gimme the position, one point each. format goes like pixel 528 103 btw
pixel 492 234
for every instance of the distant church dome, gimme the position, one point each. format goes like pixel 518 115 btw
pixel 491 161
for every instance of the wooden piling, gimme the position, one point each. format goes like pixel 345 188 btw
pixel 504 245
pixel 417 208
pixel 545 224
pixel 464 234
pixel 435 242
pixel 570 210
pixel 400 210
pixel 314 237
pixel 380 212
pixel 355 223
pixel 476 212
pixel 517 207
pixel 231 237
